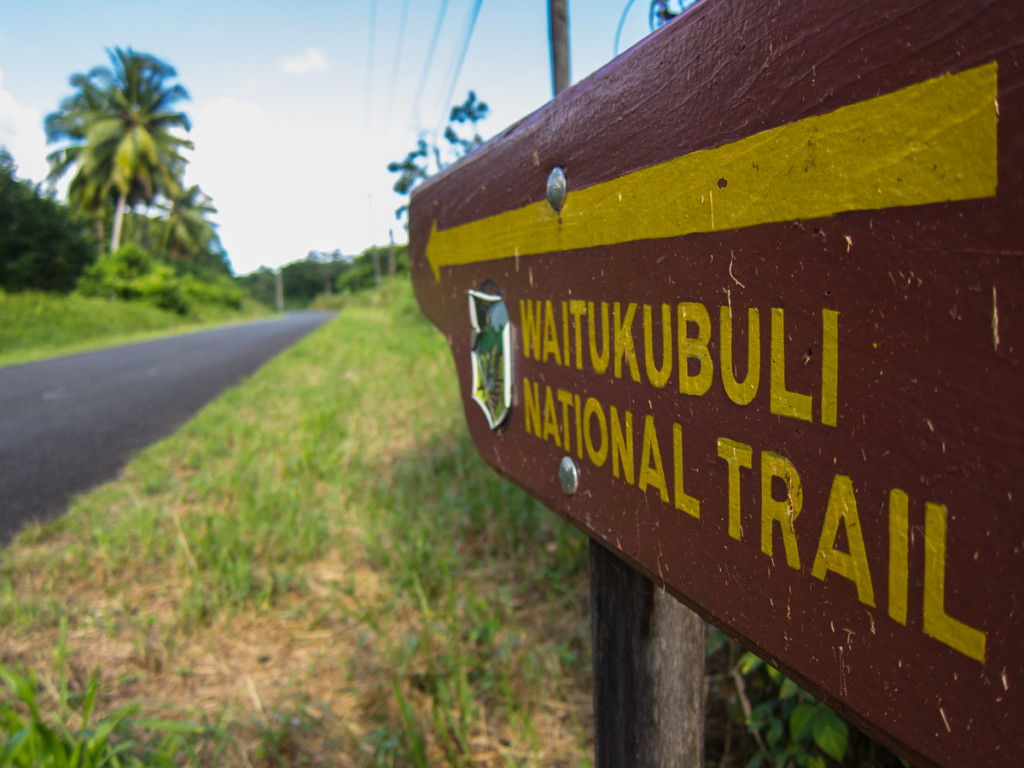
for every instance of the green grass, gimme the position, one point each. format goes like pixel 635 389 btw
pixel 38 325
pixel 66 734
pixel 319 569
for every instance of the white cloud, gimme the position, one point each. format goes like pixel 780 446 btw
pixel 272 179
pixel 21 131
pixel 310 60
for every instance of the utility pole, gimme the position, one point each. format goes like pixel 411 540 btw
pixel 374 252
pixel 391 253
pixel 279 290
pixel 558 33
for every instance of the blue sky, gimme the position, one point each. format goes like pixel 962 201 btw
pixel 296 109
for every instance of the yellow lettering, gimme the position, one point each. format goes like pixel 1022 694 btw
pixel 550 334
pixel 565 332
pixel 622 445
pixel 579 426
pixel 937 623
pixel 578 308
pixel 829 367
pixel 784 511
pixel 652 471
pixel 782 402
pixel 898 569
pixel 531 407
pixel 658 376
pixel 736 455
pixel 565 398
pixel 852 565
pixel 550 417
pixel 531 318
pixel 624 342
pixel 687 504
pixel 597 456
pixel 694 349
pixel 742 392
pixel 599 362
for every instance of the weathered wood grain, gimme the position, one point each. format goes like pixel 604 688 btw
pixel 828 462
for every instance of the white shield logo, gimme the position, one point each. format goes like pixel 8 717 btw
pixel 491 346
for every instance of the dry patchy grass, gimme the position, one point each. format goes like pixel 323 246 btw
pixel 320 571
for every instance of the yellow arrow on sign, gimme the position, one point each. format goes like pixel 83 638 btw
pixel 929 143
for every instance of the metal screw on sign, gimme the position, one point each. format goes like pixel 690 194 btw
pixel 556 189
pixel 568 476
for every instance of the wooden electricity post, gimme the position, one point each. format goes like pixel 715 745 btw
pixel 558 32
pixel 391 253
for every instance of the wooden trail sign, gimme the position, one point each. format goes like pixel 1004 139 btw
pixel 774 340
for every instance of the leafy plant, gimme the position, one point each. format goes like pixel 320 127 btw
pixel 73 736
pixel 43 244
pixel 791 727
pixel 132 274
pixel 423 162
pixel 121 135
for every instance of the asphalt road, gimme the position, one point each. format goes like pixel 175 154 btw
pixel 71 423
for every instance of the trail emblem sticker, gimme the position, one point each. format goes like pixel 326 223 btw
pixel 491 346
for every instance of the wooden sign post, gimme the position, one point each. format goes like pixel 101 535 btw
pixel 746 307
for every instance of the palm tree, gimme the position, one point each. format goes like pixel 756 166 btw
pixel 186 230
pixel 88 189
pixel 121 130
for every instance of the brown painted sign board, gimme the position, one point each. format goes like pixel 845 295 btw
pixel 777 325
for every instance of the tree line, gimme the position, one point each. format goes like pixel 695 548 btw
pixel 130 228
pixel 327 274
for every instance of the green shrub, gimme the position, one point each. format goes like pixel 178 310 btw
pixel 44 246
pixel 132 274
pixel 219 292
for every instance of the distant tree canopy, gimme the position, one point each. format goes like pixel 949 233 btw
pixel 325 273
pixel 316 274
pixel 121 136
pixel 301 281
pixel 131 273
pixel 261 285
pixel 428 159
pixel 362 272
pixel 182 236
pixel 120 130
pixel 43 245
pixel 121 140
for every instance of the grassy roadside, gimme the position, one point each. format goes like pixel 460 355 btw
pixel 296 575
pixel 35 326
pixel 319 570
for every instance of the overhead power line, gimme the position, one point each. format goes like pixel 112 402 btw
pixel 467 36
pixel 369 64
pixel 618 31
pixel 414 117
pixel 398 56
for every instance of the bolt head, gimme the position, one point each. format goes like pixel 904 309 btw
pixel 568 476
pixel 557 189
